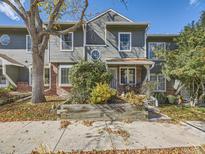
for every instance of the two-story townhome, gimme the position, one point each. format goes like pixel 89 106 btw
pixel 124 45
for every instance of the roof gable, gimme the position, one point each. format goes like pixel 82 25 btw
pixel 109 10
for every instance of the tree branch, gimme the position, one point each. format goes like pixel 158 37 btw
pixel 54 14
pixel 71 29
pixel 20 6
pixel 23 15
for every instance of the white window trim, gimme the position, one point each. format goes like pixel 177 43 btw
pixel 31 48
pixel 149 54
pixel 46 85
pixel 119 33
pixel 27 51
pixel 59 75
pixel 61 40
pixel 128 76
pixel 49 67
pixel 7 82
pixel 157 75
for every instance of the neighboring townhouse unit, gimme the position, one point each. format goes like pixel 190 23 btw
pixel 121 43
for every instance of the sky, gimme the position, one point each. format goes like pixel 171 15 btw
pixel 164 16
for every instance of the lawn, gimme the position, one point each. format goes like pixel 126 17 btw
pixel 182 113
pixel 26 111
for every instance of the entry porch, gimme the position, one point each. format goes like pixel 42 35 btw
pixel 129 73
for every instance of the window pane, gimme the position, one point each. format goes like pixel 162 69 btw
pixel 124 41
pixel 67 41
pixel 46 76
pixel 2 78
pixel 29 43
pixel 65 76
pixel 155 46
pixel 161 82
pixel 132 76
pixel 123 72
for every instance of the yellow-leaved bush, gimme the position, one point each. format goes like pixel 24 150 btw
pixel 102 93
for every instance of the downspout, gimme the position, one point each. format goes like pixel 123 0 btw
pixel 84 41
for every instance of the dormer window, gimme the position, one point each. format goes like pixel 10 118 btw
pixel 124 41
pixel 66 42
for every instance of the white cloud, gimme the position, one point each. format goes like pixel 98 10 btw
pixel 194 2
pixel 8 11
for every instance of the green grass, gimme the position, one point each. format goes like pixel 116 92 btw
pixel 182 113
pixel 26 111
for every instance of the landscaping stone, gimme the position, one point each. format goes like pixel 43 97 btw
pixel 102 112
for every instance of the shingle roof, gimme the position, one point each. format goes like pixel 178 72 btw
pixel 10 60
pixel 136 61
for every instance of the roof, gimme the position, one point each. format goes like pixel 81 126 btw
pixel 162 35
pixel 10 61
pixel 127 24
pixel 108 10
pixel 129 61
pixel 24 27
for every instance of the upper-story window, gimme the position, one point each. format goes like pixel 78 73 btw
pixel 124 41
pixel 66 42
pixel 155 46
pixel 28 44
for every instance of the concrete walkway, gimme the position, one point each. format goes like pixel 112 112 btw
pixel 23 137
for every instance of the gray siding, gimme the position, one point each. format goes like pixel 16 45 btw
pixel 95 33
pixel 17 47
pixel 109 49
pixel 67 56
pixel 17 74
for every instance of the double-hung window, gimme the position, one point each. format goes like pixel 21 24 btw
pixel 28 44
pixel 66 42
pixel 124 41
pixel 127 75
pixel 159 82
pixel 47 76
pixel 155 46
pixel 64 76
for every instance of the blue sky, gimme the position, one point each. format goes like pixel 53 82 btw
pixel 164 16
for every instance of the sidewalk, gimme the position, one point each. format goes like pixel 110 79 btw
pixel 23 137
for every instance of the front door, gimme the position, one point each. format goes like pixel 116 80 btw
pixel 113 83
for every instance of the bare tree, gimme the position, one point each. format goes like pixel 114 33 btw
pixel 40 31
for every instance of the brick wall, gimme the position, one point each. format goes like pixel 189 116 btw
pixel 55 89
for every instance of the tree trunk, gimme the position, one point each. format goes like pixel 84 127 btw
pixel 37 76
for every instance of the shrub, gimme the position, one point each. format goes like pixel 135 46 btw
pixel 102 93
pixel 172 99
pixel 84 76
pixel 161 97
pixel 148 88
pixel 132 98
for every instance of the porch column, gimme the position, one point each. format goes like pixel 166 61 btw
pixel 148 72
